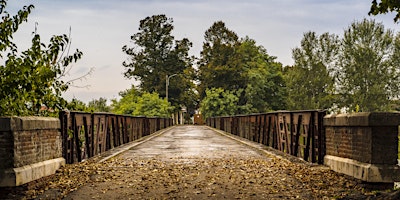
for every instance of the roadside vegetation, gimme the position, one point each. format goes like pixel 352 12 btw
pixel 352 72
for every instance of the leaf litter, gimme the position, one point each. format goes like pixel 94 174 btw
pixel 229 177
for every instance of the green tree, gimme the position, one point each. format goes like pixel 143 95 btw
pixel 151 105
pixel 369 73
pixel 134 102
pixel 263 84
pixel 242 67
pixel 385 6
pixel 126 104
pixel 99 105
pixel 148 59
pixel 216 65
pixel 77 105
pixel 32 80
pixel 9 25
pixel 157 55
pixel 310 81
pixel 219 102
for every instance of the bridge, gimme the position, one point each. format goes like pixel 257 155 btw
pixel 264 156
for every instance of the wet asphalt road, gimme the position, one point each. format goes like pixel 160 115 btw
pixel 190 142
pixel 198 162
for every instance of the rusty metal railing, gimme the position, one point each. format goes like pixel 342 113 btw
pixel 85 135
pixel 298 133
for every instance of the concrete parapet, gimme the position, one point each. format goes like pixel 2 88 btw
pixel 363 145
pixel 21 175
pixel 364 171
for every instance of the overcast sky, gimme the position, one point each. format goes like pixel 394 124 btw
pixel 101 27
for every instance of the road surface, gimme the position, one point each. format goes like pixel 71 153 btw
pixel 197 162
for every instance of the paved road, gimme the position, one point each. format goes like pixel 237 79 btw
pixel 190 142
pixel 196 162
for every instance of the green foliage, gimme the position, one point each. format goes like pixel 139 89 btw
pixel 358 72
pixel 9 25
pixel 310 81
pixel 126 104
pixel 31 80
pixel 263 84
pixel 151 105
pixel 157 55
pixel 241 66
pixel 368 72
pixel 219 102
pixel 216 65
pixel 385 6
pixel 134 102
pixel 153 47
pixel 99 105
pixel 77 105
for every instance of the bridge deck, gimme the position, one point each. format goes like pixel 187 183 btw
pixel 196 162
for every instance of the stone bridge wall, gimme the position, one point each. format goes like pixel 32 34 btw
pixel 30 148
pixel 363 145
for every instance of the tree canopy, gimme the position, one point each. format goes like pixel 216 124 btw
pixel 357 72
pixel 31 81
pixel 262 79
pixel 311 81
pixel 156 56
pixel 216 64
pixel 368 74
pixel 385 6
pixel 98 105
pixel 137 103
pixel 241 67
pixel 219 102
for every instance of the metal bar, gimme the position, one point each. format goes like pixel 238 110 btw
pixel 268 133
pixel 76 138
pixel 313 154
pixel 291 135
pixel 297 140
pixel 321 138
pixel 87 138
pixel 308 140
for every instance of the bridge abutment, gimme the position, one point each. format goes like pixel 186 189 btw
pixel 363 145
pixel 30 148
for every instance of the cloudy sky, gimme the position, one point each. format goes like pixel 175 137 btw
pixel 101 27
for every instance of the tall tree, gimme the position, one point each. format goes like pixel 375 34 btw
pixel 369 74
pixel 242 67
pixel 216 66
pixel 263 84
pixel 385 6
pixel 148 59
pixel 156 55
pixel 31 82
pixel 310 81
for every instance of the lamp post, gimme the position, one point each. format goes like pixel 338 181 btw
pixel 167 83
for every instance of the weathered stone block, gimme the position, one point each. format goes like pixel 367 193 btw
pixel 360 142
pixel 27 173
pixel 27 145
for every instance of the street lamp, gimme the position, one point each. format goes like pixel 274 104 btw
pixel 166 84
